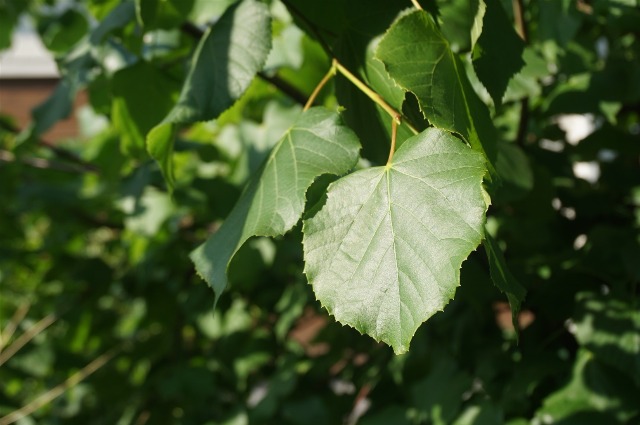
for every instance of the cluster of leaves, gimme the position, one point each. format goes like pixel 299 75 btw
pixel 197 149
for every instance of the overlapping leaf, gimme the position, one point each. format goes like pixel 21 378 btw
pixel 497 56
pixel 384 253
pixel 420 60
pixel 503 279
pixel 274 199
pixel 224 64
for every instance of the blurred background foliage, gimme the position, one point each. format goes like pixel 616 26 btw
pixel 102 314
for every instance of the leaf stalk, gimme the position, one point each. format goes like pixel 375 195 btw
pixel 321 84
pixel 395 115
pixel 394 130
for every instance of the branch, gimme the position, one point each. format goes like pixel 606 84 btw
pixel 24 339
pixel 11 327
pixel 58 390
pixel 81 165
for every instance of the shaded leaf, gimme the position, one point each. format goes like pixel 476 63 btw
pixel 503 279
pixel 384 253
pixel 610 328
pixel 224 64
pixel 164 14
pixel 420 60
pixel 497 56
pixel 594 392
pixel 142 96
pixel 274 199
pixel 462 22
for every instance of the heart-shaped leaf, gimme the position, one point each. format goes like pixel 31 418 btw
pixel 384 253
pixel 419 58
pixel 274 199
pixel 227 59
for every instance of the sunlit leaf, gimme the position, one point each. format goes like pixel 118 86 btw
pixel 274 199
pixel 503 279
pixel 420 60
pixel 384 254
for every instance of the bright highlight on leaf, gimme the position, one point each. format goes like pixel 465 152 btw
pixel 274 199
pixel 384 253
pixel 224 64
pixel 420 60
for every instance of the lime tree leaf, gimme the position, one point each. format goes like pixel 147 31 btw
pixel 497 56
pixel 595 394
pixel 384 253
pixel 462 22
pixel 420 60
pixel 610 329
pixel 503 279
pixel 164 14
pixel 274 199
pixel 142 96
pixel 225 62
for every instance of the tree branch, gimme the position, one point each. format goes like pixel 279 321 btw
pixel 81 165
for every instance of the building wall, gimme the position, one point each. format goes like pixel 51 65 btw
pixel 18 96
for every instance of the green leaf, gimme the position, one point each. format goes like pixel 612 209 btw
pixel 497 56
pixel 462 22
pixel 420 60
pixel 60 32
pixel 384 253
pixel 224 64
pixel 142 96
pixel 164 14
pixel 610 328
pixel 274 199
pixel 503 279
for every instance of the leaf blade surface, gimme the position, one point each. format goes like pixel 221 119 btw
pixel 384 253
pixel 226 60
pixel 274 199
pixel 418 57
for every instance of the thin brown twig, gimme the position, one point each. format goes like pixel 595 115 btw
pixel 29 334
pixel 521 26
pixel 42 163
pixel 58 390
pixel 11 327
pixel 294 10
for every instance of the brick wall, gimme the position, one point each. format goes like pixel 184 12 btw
pixel 19 96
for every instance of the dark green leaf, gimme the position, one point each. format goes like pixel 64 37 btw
pixel 419 59
pixel 142 96
pixel 503 279
pixel 497 56
pixel 224 64
pixel 610 328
